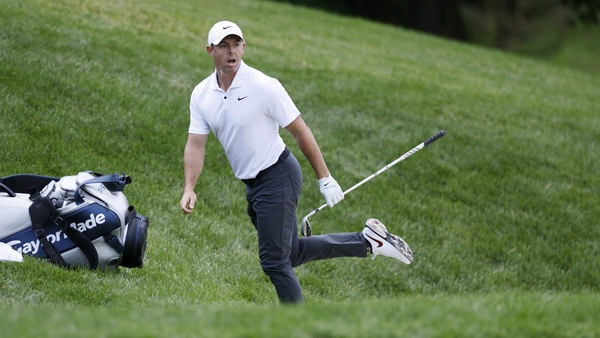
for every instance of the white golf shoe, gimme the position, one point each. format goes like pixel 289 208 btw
pixel 386 244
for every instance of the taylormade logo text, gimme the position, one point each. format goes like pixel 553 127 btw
pixel 33 246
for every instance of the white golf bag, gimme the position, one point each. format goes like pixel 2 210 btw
pixel 73 221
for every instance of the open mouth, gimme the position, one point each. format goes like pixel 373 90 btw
pixel 231 61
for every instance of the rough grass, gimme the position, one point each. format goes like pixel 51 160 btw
pixel 501 213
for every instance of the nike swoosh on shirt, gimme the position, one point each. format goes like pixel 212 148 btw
pixel 241 98
pixel 380 243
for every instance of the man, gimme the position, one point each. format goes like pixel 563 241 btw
pixel 245 108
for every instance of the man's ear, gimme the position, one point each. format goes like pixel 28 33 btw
pixel 210 50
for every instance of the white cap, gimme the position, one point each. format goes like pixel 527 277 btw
pixel 222 29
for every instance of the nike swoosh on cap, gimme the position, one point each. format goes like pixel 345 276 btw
pixel 380 243
pixel 227 27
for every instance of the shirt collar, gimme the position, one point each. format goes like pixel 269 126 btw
pixel 240 77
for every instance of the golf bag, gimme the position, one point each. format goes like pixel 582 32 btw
pixel 81 220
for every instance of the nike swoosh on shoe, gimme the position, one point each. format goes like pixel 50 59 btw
pixel 379 243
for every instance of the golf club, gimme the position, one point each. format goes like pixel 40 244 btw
pixel 306 228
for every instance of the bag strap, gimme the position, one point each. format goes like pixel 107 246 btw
pixel 111 239
pixel 7 190
pixel 42 212
pixel 85 245
pixel 112 182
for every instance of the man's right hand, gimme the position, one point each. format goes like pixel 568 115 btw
pixel 187 202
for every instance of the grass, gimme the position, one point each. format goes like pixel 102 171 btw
pixel 501 213
pixel 499 315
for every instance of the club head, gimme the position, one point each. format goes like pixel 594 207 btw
pixel 305 228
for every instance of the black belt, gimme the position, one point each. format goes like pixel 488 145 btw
pixel 251 181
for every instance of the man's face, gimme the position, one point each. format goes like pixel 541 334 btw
pixel 228 53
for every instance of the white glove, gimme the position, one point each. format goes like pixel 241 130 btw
pixel 331 190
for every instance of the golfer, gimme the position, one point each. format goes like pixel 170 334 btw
pixel 245 108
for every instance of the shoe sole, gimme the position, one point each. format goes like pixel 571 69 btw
pixel 377 227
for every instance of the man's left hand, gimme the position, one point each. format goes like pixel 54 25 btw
pixel 331 190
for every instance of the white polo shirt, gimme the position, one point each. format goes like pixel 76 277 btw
pixel 245 119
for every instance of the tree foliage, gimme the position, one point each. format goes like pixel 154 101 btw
pixel 507 24
pixel 588 11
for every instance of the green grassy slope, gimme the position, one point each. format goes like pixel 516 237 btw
pixel 506 203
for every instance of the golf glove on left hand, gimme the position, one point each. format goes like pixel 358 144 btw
pixel 331 190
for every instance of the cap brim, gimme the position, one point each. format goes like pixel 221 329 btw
pixel 220 38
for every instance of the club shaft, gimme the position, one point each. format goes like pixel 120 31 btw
pixel 401 158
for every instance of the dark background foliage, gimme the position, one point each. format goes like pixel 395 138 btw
pixel 534 27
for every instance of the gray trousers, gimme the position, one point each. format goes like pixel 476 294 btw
pixel 272 201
